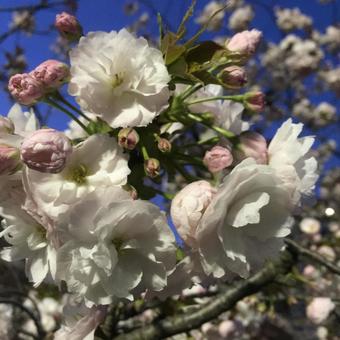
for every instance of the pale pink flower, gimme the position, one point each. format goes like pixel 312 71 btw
pixel 188 207
pixel 46 150
pixel 319 309
pixel 51 73
pixel 244 42
pixel 9 159
pixel 25 89
pixel 217 159
pixel 68 26
pixel 254 145
pixel 6 125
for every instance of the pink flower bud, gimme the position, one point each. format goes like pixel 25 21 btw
pixel 217 159
pixel 164 145
pixel 152 167
pixel 51 73
pixel 188 207
pixel 233 77
pixel 46 150
pixel 244 42
pixel 6 125
pixel 253 145
pixel 254 101
pixel 68 26
pixel 128 138
pixel 9 159
pixel 25 89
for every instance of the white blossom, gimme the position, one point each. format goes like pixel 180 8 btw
pixel 245 222
pixel 119 77
pixel 241 18
pixel 289 156
pixel 115 246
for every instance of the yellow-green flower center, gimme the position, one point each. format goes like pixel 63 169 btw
pixel 78 174
pixel 117 80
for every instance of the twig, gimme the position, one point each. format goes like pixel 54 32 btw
pixel 222 303
pixel 294 247
pixel 40 331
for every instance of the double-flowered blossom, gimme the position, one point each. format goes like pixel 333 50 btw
pixel 289 156
pixel 96 162
pixel 126 92
pixel 115 246
pixel 245 42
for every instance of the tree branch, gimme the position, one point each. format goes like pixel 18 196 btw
pixel 294 247
pixel 211 310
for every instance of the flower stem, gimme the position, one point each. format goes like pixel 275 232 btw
pixel 71 115
pixel 191 90
pixel 238 98
pixel 145 153
pixel 59 97
pixel 225 133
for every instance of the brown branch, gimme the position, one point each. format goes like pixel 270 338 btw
pixel 223 302
pixel 294 247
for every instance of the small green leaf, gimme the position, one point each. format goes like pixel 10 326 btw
pixel 173 53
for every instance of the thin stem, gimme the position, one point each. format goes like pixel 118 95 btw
pixel 72 107
pixel 221 131
pixel 238 98
pixel 145 153
pixel 191 90
pixel 71 115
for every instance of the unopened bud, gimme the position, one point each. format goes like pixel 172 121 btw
pixel 254 101
pixel 128 138
pixel 233 77
pixel 68 26
pixel 164 145
pixel 25 89
pixel 9 159
pixel 46 150
pixel 6 125
pixel 217 159
pixel 52 73
pixel 253 145
pixel 152 167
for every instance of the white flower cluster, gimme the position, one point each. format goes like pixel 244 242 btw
pixel 208 11
pixel 81 226
pixel 241 18
pixel 299 56
pixel 291 19
pixel 69 205
pixel 321 115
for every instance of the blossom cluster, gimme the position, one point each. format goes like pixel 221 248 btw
pixel 70 201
